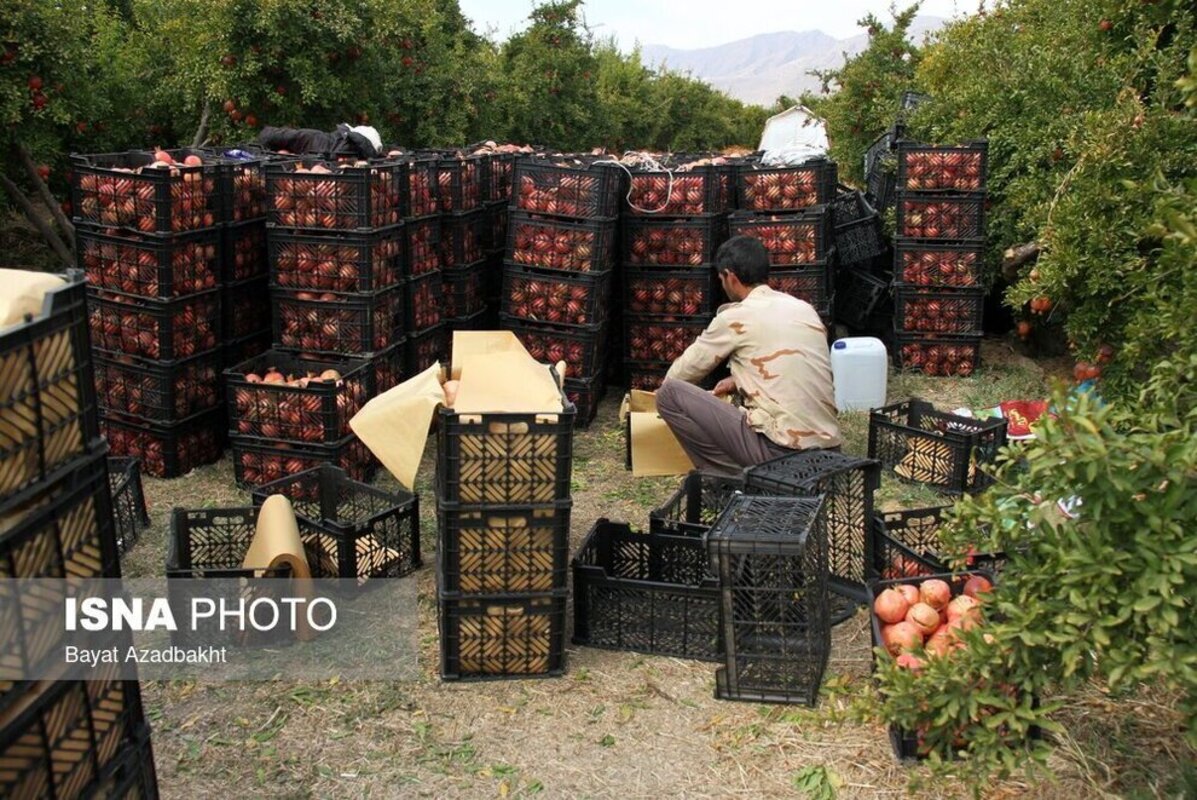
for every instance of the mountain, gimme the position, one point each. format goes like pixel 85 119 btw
pixel 761 68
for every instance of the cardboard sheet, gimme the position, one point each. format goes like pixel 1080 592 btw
pixel 467 344
pixel 505 381
pixel 24 293
pixel 276 544
pixel 653 448
pixel 394 425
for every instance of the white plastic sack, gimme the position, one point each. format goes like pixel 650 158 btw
pixel 793 136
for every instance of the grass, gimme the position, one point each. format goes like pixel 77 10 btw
pixel 618 724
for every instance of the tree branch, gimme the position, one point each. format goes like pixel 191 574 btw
pixel 1017 256
pixel 201 133
pixel 47 196
pixel 31 214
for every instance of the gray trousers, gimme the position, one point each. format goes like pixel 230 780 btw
pixel 715 434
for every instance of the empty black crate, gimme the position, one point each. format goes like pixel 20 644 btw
pixel 502 637
pixel 696 505
pixel 926 167
pixel 47 401
pixel 672 243
pixel 793 240
pixel 937 353
pixel 128 500
pixel 847 484
pixel 168 450
pixel 558 298
pixel 660 338
pixel 934 264
pixel 149 266
pixel 669 291
pixel 928 215
pixel 348 324
pixel 679 189
pixel 491 550
pixel 505 458
pixel 938 310
pixel 162 330
pixel 859 296
pixel 342 197
pixel 317 411
pixel 583 348
pixel 647 592
pixel 122 190
pixel 790 188
pixel 244 251
pixel 337 263
pixel 945 451
pixel 569 245
pixel 770 557
pixel 857 234
pixel 464 238
pixel 244 308
pixel 258 461
pixel 907 543
pixel 585 394
pixel 563 186
pixel 353 530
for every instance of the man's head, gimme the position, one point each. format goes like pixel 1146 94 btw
pixel 742 263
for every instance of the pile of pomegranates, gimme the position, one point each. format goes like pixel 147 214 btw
pixel 460 183
pixel 669 243
pixel 790 240
pixel 425 302
pixel 781 188
pixel 338 197
pixel 314 405
pixel 164 196
pixel 806 284
pixel 351 264
pixel 940 217
pixel 462 239
pixel 567 191
pixel 464 292
pixel 247 256
pixel 166 453
pixel 338 323
pixel 161 330
pixel 660 340
pixel 158 394
pixel 937 312
pixel 954 268
pixel 683 196
pixel 670 293
pixel 549 347
pixel 258 465
pixel 421 240
pixel 935 357
pixel 150 267
pixel 545 299
pixel 551 245
pixel 923 620
pixel 939 168
pixel 247 184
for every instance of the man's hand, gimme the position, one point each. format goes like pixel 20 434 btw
pixel 724 387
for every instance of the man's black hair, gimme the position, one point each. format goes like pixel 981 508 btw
pixel 746 258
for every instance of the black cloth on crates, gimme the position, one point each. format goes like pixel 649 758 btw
pixel 308 141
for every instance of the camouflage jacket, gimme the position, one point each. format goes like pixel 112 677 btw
pixel 776 348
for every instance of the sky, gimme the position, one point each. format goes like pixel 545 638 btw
pixel 688 24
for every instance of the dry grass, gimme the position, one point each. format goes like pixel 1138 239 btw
pixel 617 724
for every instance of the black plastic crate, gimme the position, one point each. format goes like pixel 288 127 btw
pixel 556 298
pixel 123 190
pixel 485 320
pixel 338 263
pixel 945 451
pixel 496 227
pixel 353 530
pixel 157 391
pixel 505 458
pixel 585 395
pixel 244 308
pixel 424 299
pixel 912 100
pixel 907 543
pixel 570 187
pixel 793 240
pixel 696 505
pixel 245 348
pixel 881 184
pixel 465 290
pixel 943 217
pixel 460 181
pixel 859 295
pixel 812 283
pixel 47 402
pixel 149 266
pixel 314 409
pixel 162 330
pixel 339 197
pixel 77 739
pixel 857 234
pixel 937 353
pixel 502 637
pixel 422 245
pixel 338 323
pixel 464 238
pixel 930 168
pixel 497 188
pixel 244 251
pixel 682 189
pixel 259 461
pixel 932 264
pixel 644 375
pixel 790 188
pixel 502 550
pixel 882 149
pixel 573 246
pixel 770 557
pixel 672 243
pixel 847 484
pixel 242 182
pixel 129 511
pixel 583 348
pixel 660 338
pixel 168 450
pixel 427 348
pixel 420 192
pixel 647 592
pixel 390 367
pixel 669 291
pixel 938 310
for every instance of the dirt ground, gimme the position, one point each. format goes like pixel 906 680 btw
pixel 618 724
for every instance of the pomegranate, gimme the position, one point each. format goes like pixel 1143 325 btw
pixel 910 592
pixel 909 661
pixel 977 585
pixel 963 606
pixel 901 637
pixel 935 593
pixel 923 617
pixel 891 606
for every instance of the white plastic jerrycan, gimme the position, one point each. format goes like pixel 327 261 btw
pixel 860 368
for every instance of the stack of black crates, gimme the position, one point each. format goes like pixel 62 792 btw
pixel 64 738
pixel 560 266
pixel 788 209
pixel 466 237
pixel 940 230
pixel 149 239
pixel 863 297
pixel 674 220
pixel 503 508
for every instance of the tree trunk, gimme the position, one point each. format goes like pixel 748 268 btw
pixel 45 230
pixel 201 133
pixel 1017 256
pixel 48 198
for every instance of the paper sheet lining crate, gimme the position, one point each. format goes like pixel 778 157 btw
pixel 948 452
pixel 502 637
pixel 503 550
